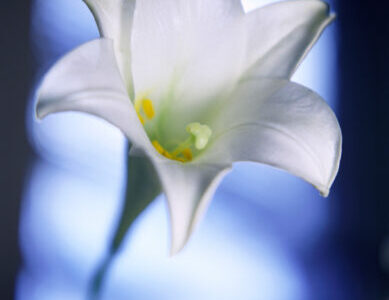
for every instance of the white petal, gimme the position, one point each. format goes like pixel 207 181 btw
pixel 88 80
pixel 188 188
pixel 194 47
pixel 281 34
pixel 281 124
pixel 114 19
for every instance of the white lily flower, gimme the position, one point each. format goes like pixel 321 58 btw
pixel 196 85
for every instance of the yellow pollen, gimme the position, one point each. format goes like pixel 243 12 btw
pixel 158 147
pixel 168 155
pixel 161 150
pixel 144 108
pixel 198 139
pixel 148 108
pixel 187 153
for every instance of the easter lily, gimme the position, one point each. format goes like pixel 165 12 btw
pixel 196 85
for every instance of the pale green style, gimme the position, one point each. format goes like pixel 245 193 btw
pixel 196 85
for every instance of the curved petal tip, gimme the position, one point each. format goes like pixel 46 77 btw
pixel 189 189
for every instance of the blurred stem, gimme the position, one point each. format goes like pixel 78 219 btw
pixel 142 188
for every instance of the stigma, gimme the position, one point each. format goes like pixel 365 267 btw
pixel 199 134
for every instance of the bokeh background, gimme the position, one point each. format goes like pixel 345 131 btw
pixel 267 234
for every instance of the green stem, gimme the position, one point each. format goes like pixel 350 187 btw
pixel 142 188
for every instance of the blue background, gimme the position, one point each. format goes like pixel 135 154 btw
pixel 267 235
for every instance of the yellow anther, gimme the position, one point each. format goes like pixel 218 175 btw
pixel 144 109
pixel 148 108
pixel 180 159
pixel 167 155
pixel 187 153
pixel 198 139
pixel 161 150
pixel 158 147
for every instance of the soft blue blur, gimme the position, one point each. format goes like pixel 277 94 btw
pixel 251 244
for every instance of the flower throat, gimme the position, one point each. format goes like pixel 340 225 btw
pixel 198 139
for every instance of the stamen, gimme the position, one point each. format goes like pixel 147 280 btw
pixel 198 139
pixel 187 153
pixel 161 150
pixel 181 147
pixel 144 108
pixel 148 108
pixel 167 155
pixel 158 146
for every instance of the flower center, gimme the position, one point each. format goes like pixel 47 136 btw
pixel 199 134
